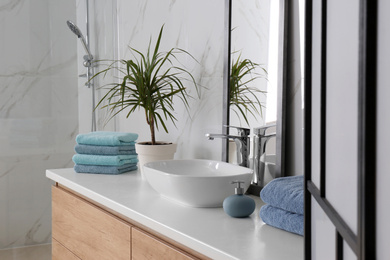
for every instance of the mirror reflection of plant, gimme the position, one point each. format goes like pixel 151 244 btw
pixel 243 96
pixel 149 82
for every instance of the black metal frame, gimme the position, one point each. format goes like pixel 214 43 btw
pixel 364 243
pixel 281 111
pixel 307 126
pixel 226 76
pixel 367 129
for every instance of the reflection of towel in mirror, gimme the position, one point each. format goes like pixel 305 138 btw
pixel 282 219
pixel 105 169
pixel 104 160
pixel 107 138
pixel 105 150
pixel 285 193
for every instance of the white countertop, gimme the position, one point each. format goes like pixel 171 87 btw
pixel 209 231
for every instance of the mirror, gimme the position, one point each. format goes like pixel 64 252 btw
pixel 256 34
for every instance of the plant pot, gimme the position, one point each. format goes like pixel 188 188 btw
pixel 150 153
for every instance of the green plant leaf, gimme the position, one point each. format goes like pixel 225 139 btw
pixel 149 81
pixel 243 99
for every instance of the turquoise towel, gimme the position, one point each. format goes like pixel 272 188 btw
pixel 104 160
pixel 107 138
pixel 282 219
pixel 79 168
pixel 105 150
pixel 285 193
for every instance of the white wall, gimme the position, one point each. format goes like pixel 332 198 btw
pixel 103 43
pixel 197 27
pixel 250 40
pixel 38 113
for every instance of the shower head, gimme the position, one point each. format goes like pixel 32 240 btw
pixel 77 31
pixel 74 29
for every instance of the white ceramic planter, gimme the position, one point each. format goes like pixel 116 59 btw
pixel 150 153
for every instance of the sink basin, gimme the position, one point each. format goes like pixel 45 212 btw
pixel 196 183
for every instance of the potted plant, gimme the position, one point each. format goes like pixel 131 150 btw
pixel 243 96
pixel 149 82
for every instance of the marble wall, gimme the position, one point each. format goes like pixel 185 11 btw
pixel 250 39
pixel 44 104
pixel 197 27
pixel 38 113
pixel 103 41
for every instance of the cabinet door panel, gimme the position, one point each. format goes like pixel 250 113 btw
pixel 59 252
pixel 86 230
pixel 145 246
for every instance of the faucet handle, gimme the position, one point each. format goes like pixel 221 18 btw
pixel 242 131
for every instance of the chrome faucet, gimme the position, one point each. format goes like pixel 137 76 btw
pixel 259 156
pixel 242 141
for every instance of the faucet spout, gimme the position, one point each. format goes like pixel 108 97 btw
pixel 242 141
pixel 222 136
pixel 261 139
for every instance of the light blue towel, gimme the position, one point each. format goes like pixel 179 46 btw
pixel 285 193
pixel 104 160
pixel 105 150
pixel 105 169
pixel 107 138
pixel 282 219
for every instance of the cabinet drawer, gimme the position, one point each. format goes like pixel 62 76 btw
pixel 86 230
pixel 59 252
pixel 145 246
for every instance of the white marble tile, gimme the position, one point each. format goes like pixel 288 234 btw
pixel 103 45
pixel 25 200
pixel 41 252
pixel 38 114
pixel 197 27
pixel 44 104
pixel 250 40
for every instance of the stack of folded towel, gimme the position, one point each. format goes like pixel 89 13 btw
pixel 105 153
pixel 285 206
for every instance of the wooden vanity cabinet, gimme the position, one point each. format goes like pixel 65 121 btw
pixel 145 246
pixel 82 230
pixel 86 230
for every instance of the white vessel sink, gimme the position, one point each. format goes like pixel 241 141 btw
pixel 196 183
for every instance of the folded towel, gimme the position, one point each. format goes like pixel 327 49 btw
pixel 104 160
pixel 105 150
pixel 79 168
pixel 282 219
pixel 107 138
pixel 285 193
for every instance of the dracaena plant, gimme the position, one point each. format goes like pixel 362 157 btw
pixel 148 82
pixel 243 93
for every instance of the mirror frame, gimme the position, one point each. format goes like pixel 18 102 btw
pixel 281 85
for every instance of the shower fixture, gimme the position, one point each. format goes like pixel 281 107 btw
pixel 87 58
pixel 87 63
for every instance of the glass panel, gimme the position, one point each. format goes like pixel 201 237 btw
pixel 38 113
